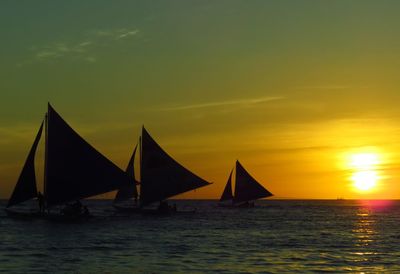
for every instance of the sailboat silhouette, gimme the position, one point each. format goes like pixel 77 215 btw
pixel 247 190
pixel 73 170
pixel 161 178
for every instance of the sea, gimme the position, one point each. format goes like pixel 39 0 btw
pixel 277 236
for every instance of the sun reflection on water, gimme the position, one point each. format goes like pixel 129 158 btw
pixel 364 232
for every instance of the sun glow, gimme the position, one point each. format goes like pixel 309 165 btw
pixel 364 160
pixel 364 180
pixel 364 174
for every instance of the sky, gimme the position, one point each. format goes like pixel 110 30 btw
pixel 304 93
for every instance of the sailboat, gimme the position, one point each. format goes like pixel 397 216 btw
pixel 247 190
pixel 73 170
pixel 161 177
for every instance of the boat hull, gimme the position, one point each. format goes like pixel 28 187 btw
pixel 52 217
pixel 168 212
pixel 60 218
pixel 23 214
pixel 241 205
pixel 150 211
pixel 127 209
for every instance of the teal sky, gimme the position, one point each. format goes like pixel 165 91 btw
pixel 288 87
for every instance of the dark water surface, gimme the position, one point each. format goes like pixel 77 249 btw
pixel 276 237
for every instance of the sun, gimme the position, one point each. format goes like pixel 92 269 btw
pixel 364 180
pixel 364 160
pixel 364 171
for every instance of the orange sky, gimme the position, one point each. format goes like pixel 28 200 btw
pixel 292 89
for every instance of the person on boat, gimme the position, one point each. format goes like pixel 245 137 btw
pixel 41 202
pixel 77 207
pixel 163 206
pixel 85 211
pixel 74 209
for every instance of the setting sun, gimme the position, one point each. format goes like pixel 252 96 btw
pixel 364 175
pixel 364 180
pixel 364 160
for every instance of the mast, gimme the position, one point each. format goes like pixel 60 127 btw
pixel 140 158
pixel 141 167
pixel 138 193
pixel 46 137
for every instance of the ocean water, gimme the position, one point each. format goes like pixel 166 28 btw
pixel 278 236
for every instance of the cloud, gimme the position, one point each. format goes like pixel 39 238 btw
pixel 47 54
pixel 86 43
pixel 334 87
pixel 116 34
pixel 126 34
pixel 61 49
pixel 91 59
pixel 331 87
pixel 80 50
pixel 239 102
pixel 17 133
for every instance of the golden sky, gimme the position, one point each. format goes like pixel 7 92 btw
pixel 293 89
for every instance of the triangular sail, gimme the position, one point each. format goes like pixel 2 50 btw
pixel 227 194
pixel 161 176
pixel 75 170
pixel 246 187
pixel 25 188
pixel 128 192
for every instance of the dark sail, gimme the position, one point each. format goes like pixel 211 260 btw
pixel 25 188
pixel 161 176
pixel 128 192
pixel 227 194
pixel 246 187
pixel 75 170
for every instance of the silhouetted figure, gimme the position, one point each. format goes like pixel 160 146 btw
pixel 77 207
pixel 163 206
pixel 85 211
pixel 174 208
pixel 41 202
pixel 74 209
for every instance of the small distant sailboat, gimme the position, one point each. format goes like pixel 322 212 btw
pixel 73 170
pixel 247 190
pixel 161 177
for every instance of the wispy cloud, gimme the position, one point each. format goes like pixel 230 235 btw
pixel 80 49
pixel 328 87
pixel 239 102
pixel 61 49
pixel 17 133
pixel 325 87
pixel 127 34
pixel 116 34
